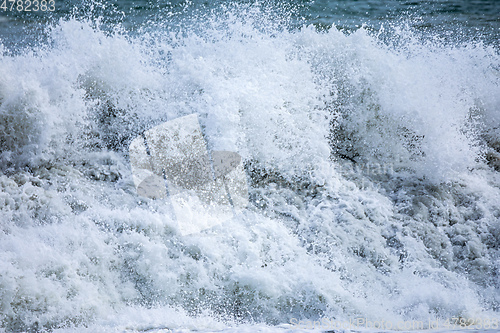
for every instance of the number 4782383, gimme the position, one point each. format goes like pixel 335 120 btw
pixel 28 5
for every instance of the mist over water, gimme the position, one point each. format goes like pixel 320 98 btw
pixel 372 155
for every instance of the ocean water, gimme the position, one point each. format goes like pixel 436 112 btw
pixel 370 136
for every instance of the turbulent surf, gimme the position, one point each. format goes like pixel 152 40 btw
pixel 372 156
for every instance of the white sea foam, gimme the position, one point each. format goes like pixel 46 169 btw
pixel 309 112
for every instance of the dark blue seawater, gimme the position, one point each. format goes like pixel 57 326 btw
pixel 450 20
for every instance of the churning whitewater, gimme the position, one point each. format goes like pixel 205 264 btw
pixel 372 160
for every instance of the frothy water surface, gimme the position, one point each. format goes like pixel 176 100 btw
pixel 372 158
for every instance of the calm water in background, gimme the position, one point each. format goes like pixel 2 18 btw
pixel 454 20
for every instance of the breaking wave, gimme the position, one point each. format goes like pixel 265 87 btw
pixel 372 161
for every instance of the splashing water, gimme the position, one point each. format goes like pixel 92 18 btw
pixel 372 161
